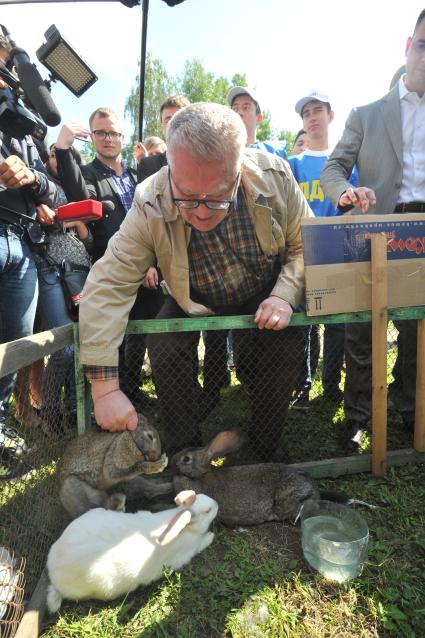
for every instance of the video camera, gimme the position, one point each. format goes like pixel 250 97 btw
pixel 16 119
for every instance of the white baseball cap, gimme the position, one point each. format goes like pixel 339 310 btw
pixel 242 90
pixel 313 95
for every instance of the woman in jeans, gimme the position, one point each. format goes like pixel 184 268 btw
pixel 71 241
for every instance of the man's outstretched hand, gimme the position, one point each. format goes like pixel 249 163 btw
pixel 273 313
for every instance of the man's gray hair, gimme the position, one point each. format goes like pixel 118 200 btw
pixel 208 131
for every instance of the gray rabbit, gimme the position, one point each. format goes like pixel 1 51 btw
pixel 97 466
pixel 253 494
pixel 195 462
pixel 246 494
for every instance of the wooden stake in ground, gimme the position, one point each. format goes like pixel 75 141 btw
pixel 419 440
pixel 379 352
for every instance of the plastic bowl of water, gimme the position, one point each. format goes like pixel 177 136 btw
pixel 334 539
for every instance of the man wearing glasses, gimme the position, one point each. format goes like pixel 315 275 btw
pixel 223 222
pixel 106 178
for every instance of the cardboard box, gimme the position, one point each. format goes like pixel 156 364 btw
pixel 338 267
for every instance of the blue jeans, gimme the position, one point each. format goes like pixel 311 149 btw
pixel 18 296
pixel 59 372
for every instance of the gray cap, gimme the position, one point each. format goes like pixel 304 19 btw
pixel 313 95
pixel 242 90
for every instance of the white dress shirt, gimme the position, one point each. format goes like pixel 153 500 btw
pixel 413 123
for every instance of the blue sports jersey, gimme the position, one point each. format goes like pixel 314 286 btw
pixel 277 147
pixel 307 167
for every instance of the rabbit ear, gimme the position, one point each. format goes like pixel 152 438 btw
pixel 175 526
pixel 123 450
pixel 185 497
pixel 225 442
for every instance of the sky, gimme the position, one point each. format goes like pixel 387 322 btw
pixel 348 50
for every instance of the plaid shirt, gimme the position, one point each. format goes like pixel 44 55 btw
pixel 226 264
pixel 101 373
pixel 125 186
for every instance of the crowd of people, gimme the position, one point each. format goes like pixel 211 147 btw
pixel 213 228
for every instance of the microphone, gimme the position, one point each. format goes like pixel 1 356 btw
pixel 107 206
pixel 34 87
pixel 87 210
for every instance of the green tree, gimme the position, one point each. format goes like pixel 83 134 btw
pixel 289 138
pixel 87 151
pixel 265 129
pixel 158 85
pixel 199 85
pixel 239 79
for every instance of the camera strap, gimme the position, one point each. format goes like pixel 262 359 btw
pixel 4 151
pixel 25 218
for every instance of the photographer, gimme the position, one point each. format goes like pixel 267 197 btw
pixel 23 185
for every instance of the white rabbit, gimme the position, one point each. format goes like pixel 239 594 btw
pixel 104 554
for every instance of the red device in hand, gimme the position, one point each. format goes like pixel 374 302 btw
pixel 88 210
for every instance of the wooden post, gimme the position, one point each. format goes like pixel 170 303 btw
pixel 419 438
pixel 82 387
pixel 30 625
pixel 379 352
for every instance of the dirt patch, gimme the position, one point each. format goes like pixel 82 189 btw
pixel 279 538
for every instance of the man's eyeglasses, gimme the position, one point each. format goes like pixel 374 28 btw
pixel 212 204
pixel 102 135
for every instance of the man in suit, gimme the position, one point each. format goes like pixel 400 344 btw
pixel 151 165
pixel 386 139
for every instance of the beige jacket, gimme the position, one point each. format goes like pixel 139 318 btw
pixel 154 228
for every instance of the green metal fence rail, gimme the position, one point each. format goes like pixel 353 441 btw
pixel 329 467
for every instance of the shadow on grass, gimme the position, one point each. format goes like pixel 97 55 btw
pixel 31 514
pixel 194 602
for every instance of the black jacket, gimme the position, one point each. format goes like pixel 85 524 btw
pixel 25 199
pixel 92 181
pixel 150 165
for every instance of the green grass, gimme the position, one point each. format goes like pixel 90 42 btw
pixel 255 582
pixel 252 582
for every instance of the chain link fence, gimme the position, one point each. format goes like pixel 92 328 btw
pixel 192 378
pixel 33 435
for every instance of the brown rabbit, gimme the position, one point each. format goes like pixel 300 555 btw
pixel 97 464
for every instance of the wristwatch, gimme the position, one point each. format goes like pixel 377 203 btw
pixel 36 185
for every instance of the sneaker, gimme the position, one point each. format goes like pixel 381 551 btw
pixel 9 438
pixel 351 437
pixel 12 466
pixel 302 401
